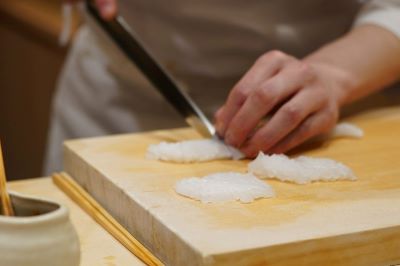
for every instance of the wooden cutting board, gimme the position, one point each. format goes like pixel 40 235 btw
pixel 340 223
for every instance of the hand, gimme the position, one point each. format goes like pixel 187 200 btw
pixel 107 8
pixel 305 96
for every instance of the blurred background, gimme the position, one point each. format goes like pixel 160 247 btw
pixel 30 60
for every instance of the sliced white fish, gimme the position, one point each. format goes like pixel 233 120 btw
pixel 223 187
pixel 346 130
pixel 202 150
pixel 192 151
pixel 300 170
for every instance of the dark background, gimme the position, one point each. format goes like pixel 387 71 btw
pixel 30 60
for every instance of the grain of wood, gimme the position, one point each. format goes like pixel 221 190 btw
pixel 338 223
pixel 87 203
pixel 4 196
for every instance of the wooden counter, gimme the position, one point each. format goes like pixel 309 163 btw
pixel 97 246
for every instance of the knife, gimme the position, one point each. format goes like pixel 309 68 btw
pixel 127 40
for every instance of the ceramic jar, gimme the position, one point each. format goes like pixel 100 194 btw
pixel 40 234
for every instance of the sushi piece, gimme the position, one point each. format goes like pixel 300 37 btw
pixel 222 187
pixel 301 170
pixel 202 150
pixel 346 130
pixel 192 151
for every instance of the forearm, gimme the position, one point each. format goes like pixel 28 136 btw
pixel 364 61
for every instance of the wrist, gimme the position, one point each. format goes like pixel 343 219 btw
pixel 339 82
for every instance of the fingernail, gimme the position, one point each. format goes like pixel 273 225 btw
pixel 229 139
pixel 249 151
pixel 218 127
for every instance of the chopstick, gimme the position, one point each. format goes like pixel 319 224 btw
pixel 7 208
pixel 102 217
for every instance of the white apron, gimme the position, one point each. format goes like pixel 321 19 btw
pixel 206 45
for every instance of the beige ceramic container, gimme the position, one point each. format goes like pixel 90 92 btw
pixel 40 234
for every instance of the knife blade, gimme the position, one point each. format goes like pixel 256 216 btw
pixel 127 40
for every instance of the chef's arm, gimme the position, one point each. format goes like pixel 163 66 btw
pixel 369 54
pixel 302 97
pixel 366 60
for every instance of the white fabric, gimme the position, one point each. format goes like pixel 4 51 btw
pixel 384 13
pixel 206 45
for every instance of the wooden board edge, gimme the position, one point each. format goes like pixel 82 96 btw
pixel 151 232
pixel 373 247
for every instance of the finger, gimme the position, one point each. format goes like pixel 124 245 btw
pixel 107 8
pixel 217 118
pixel 264 68
pixel 316 124
pixel 263 100
pixel 287 118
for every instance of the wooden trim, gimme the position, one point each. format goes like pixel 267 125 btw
pixel 42 18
